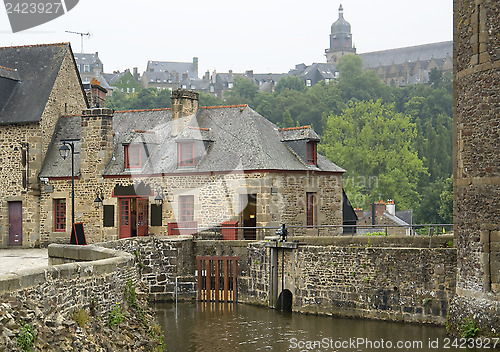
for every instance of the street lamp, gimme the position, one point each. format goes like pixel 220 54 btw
pixel 159 198
pixel 64 152
pixel 99 198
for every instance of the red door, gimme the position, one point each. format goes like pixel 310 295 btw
pixel 125 221
pixel 15 224
pixel 142 217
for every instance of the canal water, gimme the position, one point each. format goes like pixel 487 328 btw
pixel 207 327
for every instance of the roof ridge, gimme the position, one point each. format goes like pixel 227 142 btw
pixel 34 45
pixel 8 69
pixel 224 106
pixel 295 128
pixel 142 110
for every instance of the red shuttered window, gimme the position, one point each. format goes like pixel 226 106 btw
pixel 59 215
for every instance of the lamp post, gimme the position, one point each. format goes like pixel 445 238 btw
pixel 64 151
pixel 99 198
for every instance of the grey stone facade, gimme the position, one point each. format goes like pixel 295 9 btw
pixel 477 165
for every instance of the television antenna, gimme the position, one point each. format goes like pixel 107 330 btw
pixel 81 35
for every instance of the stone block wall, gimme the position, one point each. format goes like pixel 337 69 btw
pixel 398 283
pixel 161 262
pixel 477 164
pixel 101 280
pixel 281 198
pixel 23 149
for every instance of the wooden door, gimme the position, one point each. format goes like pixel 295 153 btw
pixel 15 223
pixel 142 217
pixel 125 221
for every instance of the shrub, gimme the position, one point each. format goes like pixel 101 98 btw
pixel 115 316
pixel 468 328
pixel 26 337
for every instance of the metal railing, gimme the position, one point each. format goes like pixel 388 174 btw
pixel 216 232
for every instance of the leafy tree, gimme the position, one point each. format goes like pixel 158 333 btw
pixel 446 201
pixel 357 84
pixel 244 91
pixel 209 100
pixel 290 83
pixel 375 145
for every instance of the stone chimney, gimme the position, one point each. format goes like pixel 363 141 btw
pixel 136 74
pixel 360 213
pixel 184 103
pixel 391 207
pixel 96 95
pixel 96 152
pixel 184 76
pixel 378 208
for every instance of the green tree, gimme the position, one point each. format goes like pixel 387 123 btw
pixel 375 145
pixel 357 84
pixel 446 201
pixel 209 100
pixel 243 91
pixel 290 83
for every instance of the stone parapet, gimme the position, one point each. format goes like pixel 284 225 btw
pixel 88 273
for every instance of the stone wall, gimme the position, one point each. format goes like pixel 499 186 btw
pixel 161 262
pixel 218 198
pixel 99 276
pixel 477 164
pixel 69 305
pixel 23 149
pixel 361 280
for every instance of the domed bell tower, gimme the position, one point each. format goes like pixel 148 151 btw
pixel 340 39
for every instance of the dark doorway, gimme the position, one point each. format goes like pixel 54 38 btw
pixel 249 215
pixel 15 223
pixel 285 301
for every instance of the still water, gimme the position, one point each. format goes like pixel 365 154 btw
pixel 200 327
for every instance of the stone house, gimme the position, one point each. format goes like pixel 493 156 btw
pixel 382 214
pixel 38 84
pixel 188 166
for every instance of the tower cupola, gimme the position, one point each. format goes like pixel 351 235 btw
pixel 340 39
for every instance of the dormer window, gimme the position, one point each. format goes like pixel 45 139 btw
pixel 311 153
pixel 185 154
pixel 134 156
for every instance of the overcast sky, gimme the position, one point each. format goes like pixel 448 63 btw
pixel 263 35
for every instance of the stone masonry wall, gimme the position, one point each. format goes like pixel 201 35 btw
pixel 19 178
pixel 401 284
pixel 159 261
pixel 71 285
pixel 477 164
pixel 217 199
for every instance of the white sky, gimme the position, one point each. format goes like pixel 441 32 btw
pixel 263 35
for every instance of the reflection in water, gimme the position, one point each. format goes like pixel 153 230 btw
pixel 207 327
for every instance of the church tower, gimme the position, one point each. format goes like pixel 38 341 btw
pixel 340 39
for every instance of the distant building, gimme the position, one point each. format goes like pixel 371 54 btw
pixel 169 74
pixel 399 67
pixel 340 39
pixel 382 214
pixel 90 67
pixel 315 73
pixel 410 65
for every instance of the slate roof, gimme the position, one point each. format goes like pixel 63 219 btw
pixel 170 66
pixel 87 59
pixel 412 53
pixel 68 128
pixel 36 68
pixel 236 138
